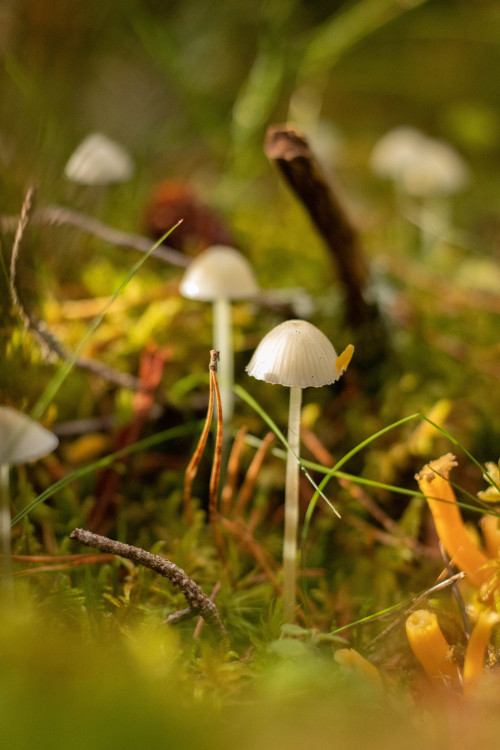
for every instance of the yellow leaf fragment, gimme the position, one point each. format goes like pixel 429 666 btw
pixel 343 359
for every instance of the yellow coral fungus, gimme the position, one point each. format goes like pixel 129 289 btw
pixel 465 554
pixel 348 657
pixel 420 442
pixel 490 526
pixel 430 647
pixel 476 648
pixel 492 494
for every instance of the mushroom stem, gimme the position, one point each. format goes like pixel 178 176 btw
pixel 291 503
pixel 6 576
pixel 224 344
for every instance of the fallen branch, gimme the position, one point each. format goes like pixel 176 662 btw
pixel 289 150
pixel 60 216
pixel 199 604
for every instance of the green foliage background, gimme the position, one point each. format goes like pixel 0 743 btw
pixel 190 88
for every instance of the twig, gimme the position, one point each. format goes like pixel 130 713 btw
pixel 213 494
pixel 26 211
pixel 47 340
pixel 198 602
pixel 199 624
pixel 289 150
pixel 442 584
pixel 60 215
pixel 216 465
pixel 456 592
pixel 192 467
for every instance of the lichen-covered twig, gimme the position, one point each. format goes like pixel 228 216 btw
pixel 199 604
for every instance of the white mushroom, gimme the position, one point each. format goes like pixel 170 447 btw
pixel 98 160
pixel 21 440
pixel 298 355
pixel 395 151
pixel 425 170
pixel 220 275
pixel 438 170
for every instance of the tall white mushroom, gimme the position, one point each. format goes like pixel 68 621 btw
pixel 298 355
pixel 424 169
pixel 221 275
pixel 21 440
pixel 98 160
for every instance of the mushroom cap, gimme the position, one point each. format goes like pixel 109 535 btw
pixel 295 354
pixel 219 272
pixel 396 150
pixel 22 439
pixel 439 169
pixel 422 165
pixel 98 160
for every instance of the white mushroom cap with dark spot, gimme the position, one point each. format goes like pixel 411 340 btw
pixel 98 160
pixel 220 272
pixel 295 354
pixel 22 439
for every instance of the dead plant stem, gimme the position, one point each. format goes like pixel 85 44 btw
pixel 198 602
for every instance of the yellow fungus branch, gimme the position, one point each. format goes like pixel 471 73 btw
pixel 348 657
pixel 476 649
pixel 491 532
pixel 430 647
pixel 465 554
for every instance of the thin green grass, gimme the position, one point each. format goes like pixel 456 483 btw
pixel 50 391
pixel 107 461
pixel 334 471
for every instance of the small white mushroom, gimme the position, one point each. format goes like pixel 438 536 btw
pixel 21 440
pixel 395 151
pixel 221 275
pixel 298 355
pixel 98 160
pixel 438 170
pixel 426 170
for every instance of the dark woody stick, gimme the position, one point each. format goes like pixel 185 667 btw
pixel 198 602
pixel 289 150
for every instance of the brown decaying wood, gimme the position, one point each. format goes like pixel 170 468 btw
pixel 289 150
